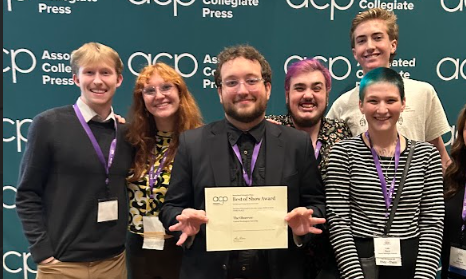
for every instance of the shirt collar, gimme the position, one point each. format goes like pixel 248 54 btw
pixel 257 132
pixel 89 114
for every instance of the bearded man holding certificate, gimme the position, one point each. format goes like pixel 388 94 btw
pixel 246 152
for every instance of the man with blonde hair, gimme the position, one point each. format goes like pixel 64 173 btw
pixel 72 193
pixel 374 41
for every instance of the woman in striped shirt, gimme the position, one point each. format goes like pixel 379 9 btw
pixel 363 177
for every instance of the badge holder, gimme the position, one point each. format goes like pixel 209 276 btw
pixel 107 210
pixel 154 233
pixel 387 250
pixel 457 268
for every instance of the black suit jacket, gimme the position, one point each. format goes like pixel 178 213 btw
pixel 202 160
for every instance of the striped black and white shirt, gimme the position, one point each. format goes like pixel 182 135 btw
pixel 356 206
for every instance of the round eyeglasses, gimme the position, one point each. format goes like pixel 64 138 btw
pixel 164 89
pixel 250 83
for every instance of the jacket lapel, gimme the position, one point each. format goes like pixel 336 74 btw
pixel 218 147
pixel 274 156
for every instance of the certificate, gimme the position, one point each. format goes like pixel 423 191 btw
pixel 242 218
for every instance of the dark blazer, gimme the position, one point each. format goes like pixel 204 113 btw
pixel 202 160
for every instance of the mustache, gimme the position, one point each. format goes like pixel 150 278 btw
pixel 248 98
pixel 312 102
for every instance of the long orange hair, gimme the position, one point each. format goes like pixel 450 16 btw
pixel 142 129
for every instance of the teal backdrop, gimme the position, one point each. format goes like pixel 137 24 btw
pixel 39 35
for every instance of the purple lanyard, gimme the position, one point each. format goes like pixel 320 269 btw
pixel 388 195
pixel 255 154
pixel 97 149
pixel 463 213
pixel 154 176
pixel 317 149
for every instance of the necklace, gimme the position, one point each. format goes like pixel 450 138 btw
pixel 385 173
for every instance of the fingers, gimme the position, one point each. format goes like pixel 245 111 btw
pixel 188 219
pixel 317 221
pixel 313 222
pixel 274 121
pixel 315 230
pixel 175 227
pixel 193 215
pixel 182 239
pixel 120 119
pixel 300 212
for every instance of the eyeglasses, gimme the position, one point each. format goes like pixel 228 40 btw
pixel 164 89
pixel 250 83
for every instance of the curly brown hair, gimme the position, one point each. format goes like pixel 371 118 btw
pixel 246 51
pixel 455 175
pixel 142 128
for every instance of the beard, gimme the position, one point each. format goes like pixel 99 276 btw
pixel 304 122
pixel 246 117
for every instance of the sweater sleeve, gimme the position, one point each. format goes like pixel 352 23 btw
pixel 33 176
pixel 180 192
pixel 431 219
pixel 436 120
pixel 339 214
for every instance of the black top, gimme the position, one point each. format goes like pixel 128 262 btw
pixel 246 142
pixel 203 160
pixel 247 263
pixel 61 182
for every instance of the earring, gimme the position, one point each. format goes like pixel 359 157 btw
pixel 362 121
pixel 400 120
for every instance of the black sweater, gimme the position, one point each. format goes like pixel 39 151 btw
pixel 61 181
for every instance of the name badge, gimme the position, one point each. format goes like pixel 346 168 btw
pixel 154 233
pixel 458 260
pixel 107 210
pixel 387 251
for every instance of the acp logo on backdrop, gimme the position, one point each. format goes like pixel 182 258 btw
pixel 449 68
pixel 175 3
pixel 451 9
pixel 332 5
pixel 185 64
pixel 14 131
pixel 16 263
pixel 339 66
pixel 20 61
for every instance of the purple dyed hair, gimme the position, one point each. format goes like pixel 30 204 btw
pixel 305 66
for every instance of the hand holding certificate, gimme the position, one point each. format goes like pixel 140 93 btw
pixel 246 218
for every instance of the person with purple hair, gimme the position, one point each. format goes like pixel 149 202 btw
pixel 307 87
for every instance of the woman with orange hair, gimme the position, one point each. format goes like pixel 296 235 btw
pixel 162 109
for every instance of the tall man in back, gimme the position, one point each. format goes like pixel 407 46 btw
pixel 374 41
pixel 206 157
pixel 72 191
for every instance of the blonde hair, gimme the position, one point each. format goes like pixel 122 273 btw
pixel 377 13
pixel 92 53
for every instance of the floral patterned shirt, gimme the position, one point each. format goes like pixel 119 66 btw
pixel 140 203
pixel 331 131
